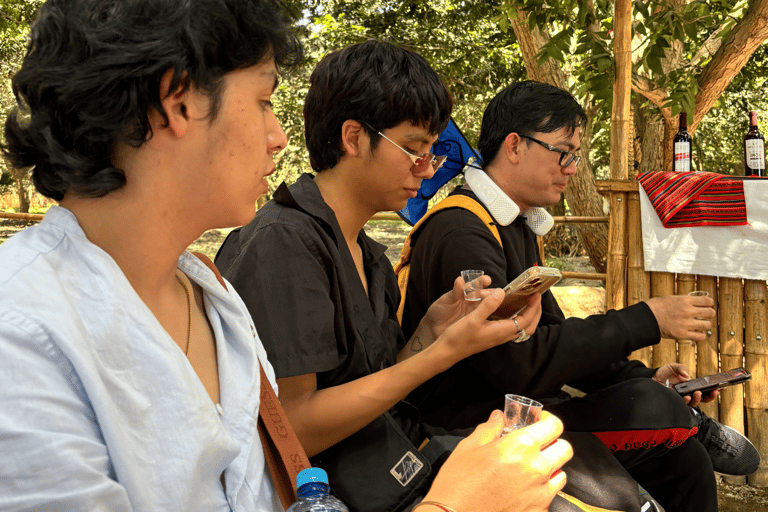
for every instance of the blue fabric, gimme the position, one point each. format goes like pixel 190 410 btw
pixel 99 408
pixel 455 146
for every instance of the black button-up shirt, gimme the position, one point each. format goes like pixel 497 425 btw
pixel 295 273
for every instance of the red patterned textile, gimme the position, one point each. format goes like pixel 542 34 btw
pixel 690 199
pixel 635 439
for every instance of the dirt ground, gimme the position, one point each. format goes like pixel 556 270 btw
pixel 576 298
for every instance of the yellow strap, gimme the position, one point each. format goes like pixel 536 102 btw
pixel 403 267
pixel 582 506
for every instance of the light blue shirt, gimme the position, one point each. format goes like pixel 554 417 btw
pixel 99 408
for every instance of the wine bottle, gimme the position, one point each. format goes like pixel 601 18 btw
pixel 754 149
pixel 682 146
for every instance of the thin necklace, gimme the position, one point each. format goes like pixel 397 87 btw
pixel 189 310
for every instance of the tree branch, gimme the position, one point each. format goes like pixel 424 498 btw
pixel 710 47
pixel 745 37
pixel 645 87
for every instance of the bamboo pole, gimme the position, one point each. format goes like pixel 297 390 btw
pixel 622 89
pixel 575 219
pixel 756 395
pixel 37 217
pixel 731 318
pixel 622 51
pixel 638 280
pixel 662 284
pixel 615 284
pixel 686 349
pixel 707 353
pixel 592 276
pixel 631 157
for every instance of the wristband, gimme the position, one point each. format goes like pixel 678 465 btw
pixel 434 503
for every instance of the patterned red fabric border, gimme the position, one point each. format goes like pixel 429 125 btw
pixel 691 199
pixel 623 440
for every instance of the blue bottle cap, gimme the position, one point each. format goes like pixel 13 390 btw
pixel 311 475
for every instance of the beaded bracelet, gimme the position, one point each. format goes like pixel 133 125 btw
pixel 434 503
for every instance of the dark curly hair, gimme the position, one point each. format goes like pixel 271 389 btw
pixel 527 108
pixel 92 72
pixel 375 82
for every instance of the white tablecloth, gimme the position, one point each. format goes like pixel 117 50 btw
pixel 735 251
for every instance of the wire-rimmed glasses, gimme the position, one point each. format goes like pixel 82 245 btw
pixel 421 161
pixel 566 157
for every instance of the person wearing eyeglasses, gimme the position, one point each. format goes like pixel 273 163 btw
pixel 630 423
pixel 324 296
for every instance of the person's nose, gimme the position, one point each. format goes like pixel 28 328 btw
pixel 424 171
pixel 276 138
pixel 569 170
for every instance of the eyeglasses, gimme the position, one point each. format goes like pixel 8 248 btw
pixel 566 157
pixel 421 161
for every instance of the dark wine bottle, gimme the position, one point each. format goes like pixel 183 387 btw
pixel 754 149
pixel 682 142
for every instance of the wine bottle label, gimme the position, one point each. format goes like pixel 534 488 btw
pixel 682 156
pixel 755 153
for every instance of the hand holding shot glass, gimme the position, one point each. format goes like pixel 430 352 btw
pixel 519 412
pixel 472 284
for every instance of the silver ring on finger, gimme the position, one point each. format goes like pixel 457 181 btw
pixel 519 330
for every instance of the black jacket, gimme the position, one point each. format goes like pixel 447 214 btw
pixel 587 354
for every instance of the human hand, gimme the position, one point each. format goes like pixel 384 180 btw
pixel 518 472
pixel 683 317
pixel 675 373
pixel 452 306
pixel 474 332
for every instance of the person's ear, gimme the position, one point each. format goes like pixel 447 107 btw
pixel 177 104
pixel 353 136
pixel 513 147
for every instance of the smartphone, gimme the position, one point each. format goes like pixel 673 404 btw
pixel 517 293
pixel 713 382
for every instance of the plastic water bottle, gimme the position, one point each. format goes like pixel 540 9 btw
pixel 313 494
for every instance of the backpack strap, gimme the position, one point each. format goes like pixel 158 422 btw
pixel 403 267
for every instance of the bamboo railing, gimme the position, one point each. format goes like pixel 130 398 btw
pixel 738 336
pixel 36 217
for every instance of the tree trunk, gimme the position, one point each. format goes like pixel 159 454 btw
pixel 19 176
pixel 21 190
pixel 650 130
pixel 581 194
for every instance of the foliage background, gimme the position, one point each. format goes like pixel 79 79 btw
pixel 471 46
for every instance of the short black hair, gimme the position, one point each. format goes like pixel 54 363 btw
pixel 526 108
pixel 92 72
pixel 374 82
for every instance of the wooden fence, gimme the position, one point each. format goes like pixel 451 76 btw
pixel 738 334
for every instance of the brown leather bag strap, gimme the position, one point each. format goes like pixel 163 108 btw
pixel 208 263
pixel 282 450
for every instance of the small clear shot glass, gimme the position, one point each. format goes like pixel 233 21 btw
pixel 472 285
pixel 519 412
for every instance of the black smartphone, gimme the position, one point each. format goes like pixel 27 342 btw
pixel 713 382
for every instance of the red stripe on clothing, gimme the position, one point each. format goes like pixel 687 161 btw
pixel 644 439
